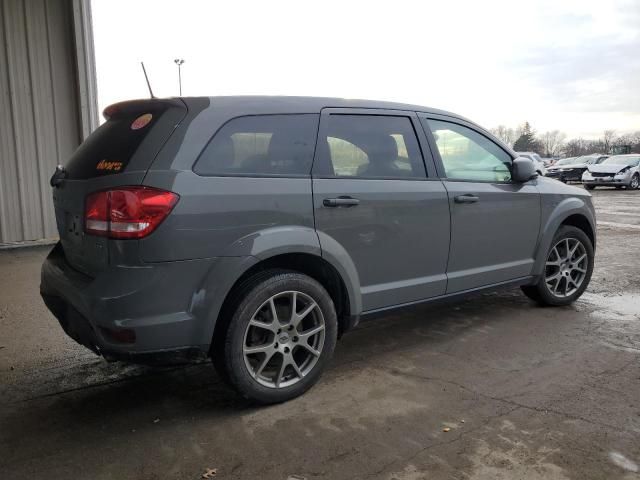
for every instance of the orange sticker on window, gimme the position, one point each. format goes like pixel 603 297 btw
pixel 141 122
pixel 108 165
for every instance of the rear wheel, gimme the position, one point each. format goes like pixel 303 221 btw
pixel 567 271
pixel 280 338
pixel 589 187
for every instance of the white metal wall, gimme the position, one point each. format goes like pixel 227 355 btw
pixel 41 113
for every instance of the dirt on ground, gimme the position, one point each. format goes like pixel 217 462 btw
pixel 493 387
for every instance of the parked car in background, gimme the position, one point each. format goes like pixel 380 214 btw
pixel 616 171
pixel 571 169
pixel 257 230
pixel 537 161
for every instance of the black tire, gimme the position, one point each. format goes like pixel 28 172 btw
pixel 250 299
pixel 635 180
pixel 589 187
pixel 540 292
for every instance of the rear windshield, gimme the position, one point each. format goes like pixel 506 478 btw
pixel 109 149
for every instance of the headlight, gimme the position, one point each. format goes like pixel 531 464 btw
pixel 586 174
pixel 623 172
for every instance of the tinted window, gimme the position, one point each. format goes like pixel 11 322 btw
pixel 109 148
pixel 261 145
pixel 467 155
pixel 368 146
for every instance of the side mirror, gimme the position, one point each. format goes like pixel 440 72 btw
pixel 523 170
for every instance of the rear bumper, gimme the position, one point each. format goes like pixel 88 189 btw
pixel 152 301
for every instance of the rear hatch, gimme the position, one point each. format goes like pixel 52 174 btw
pixel 118 153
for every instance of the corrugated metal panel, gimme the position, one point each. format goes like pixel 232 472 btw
pixel 40 123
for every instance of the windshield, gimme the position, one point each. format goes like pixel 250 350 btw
pixel 569 161
pixel 621 160
pixel 588 159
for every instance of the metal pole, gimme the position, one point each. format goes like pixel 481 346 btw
pixel 179 62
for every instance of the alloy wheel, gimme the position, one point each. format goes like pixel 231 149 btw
pixel 566 267
pixel 284 339
pixel 635 182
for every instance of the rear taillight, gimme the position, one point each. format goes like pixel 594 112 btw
pixel 127 212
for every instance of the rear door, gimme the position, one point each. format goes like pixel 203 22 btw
pixel 376 205
pixel 118 153
pixel 494 220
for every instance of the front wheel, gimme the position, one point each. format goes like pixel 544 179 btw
pixel 567 270
pixel 589 187
pixel 280 338
pixel 635 182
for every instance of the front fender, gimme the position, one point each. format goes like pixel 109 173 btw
pixel 554 214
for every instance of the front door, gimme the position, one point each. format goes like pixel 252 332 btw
pixel 494 220
pixel 375 206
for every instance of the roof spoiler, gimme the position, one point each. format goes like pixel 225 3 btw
pixel 147 105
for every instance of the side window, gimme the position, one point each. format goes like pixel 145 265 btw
pixel 261 145
pixel 467 155
pixel 371 146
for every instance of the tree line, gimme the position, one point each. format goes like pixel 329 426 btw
pixel 554 143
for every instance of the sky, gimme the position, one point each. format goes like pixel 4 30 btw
pixel 571 65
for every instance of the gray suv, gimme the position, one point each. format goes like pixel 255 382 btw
pixel 257 230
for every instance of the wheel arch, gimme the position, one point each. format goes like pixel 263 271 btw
pixel 572 211
pixel 580 221
pixel 315 266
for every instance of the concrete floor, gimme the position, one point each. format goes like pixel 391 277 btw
pixel 527 392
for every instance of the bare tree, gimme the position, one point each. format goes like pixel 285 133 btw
pixel 608 140
pixel 506 134
pixel 575 147
pixel 552 142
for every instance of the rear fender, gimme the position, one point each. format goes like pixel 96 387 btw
pixel 259 246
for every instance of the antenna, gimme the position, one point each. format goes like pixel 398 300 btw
pixel 144 70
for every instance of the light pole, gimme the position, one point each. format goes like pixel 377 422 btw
pixel 179 62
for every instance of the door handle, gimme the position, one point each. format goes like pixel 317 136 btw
pixel 466 198
pixel 340 202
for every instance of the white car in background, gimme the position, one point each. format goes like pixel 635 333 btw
pixel 537 161
pixel 616 171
